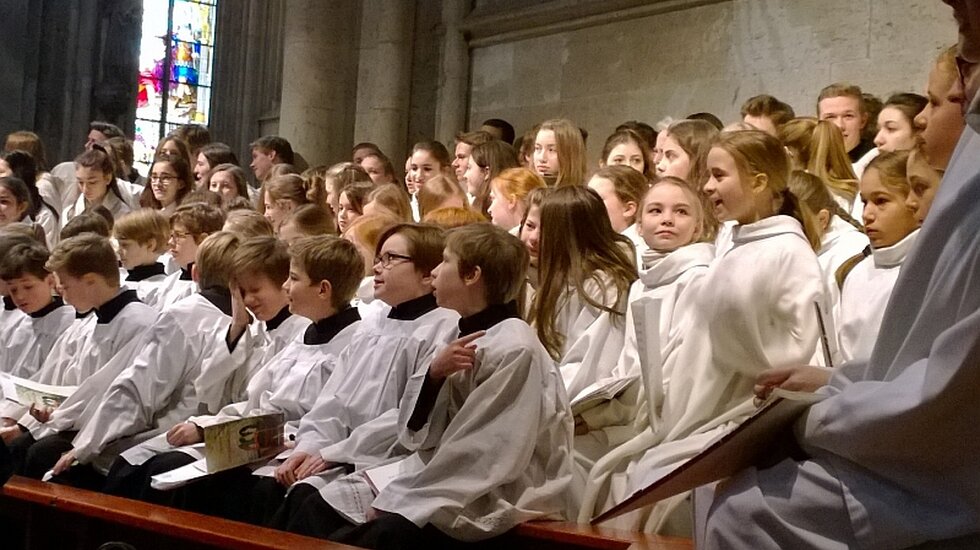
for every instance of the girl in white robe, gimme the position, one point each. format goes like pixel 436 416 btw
pixel 671 222
pixel 621 189
pixel 96 186
pixel 585 270
pixel 893 230
pixel 755 311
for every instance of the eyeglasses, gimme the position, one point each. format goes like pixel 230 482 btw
pixel 387 258
pixel 162 178
pixel 178 235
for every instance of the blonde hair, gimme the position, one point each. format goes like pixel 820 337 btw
pixel 265 255
pixel 144 225
pixel 756 152
pixel 292 187
pixel 215 260
pixel 707 223
pixel 330 258
pixel 571 151
pixel 451 217
pixel 248 223
pixel 892 170
pixel 502 258
pixel 367 230
pixel 694 137
pixel 814 192
pixel 818 147
pixel 393 200
pixel 339 176
pixel 437 190
pixel 85 253
pixel 312 219
pixel 578 246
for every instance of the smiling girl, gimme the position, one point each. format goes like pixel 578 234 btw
pixel 169 181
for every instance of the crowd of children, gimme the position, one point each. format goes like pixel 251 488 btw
pixel 444 326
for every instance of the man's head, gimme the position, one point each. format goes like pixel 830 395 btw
pixel 766 113
pixel 843 105
pixel 268 151
pixel 464 145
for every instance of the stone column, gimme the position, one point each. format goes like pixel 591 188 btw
pixel 454 74
pixel 319 75
pixel 384 75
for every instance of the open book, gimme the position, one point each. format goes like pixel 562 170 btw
pixel 27 392
pixel 228 445
pixel 599 392
pixel 731 453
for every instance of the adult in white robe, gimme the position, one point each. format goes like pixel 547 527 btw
pixel 894 446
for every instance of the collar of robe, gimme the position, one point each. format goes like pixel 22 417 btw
pixel 108 311
pixel 220 297
pixel 324 330
pixel 893 256
pixel 837 228
pixel 55 304
pixel 185 272
pixel 280 318
pixel 83 314
pixel 489 317
pixel 765 228
pixel 144 272
pixel 672 265
pixel 8 304
pixel 414 308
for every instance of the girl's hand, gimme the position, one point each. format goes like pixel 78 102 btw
pixel 803 378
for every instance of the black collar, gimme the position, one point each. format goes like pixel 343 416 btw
pixel 83 314
pixel 220 297
pixel 56 302
pixel 185 272
pixel 324 330
pixel 489 317
pixel 280 318
pixel 414 308
pixel 108 311
pixel 144 272
pixel 859 150
pixel 8 303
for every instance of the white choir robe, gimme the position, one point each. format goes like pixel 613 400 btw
pixel 13 340
pixel 355 418
pixel 175 287
pixel 496 448
pixel 157 390
pixel 50 222
pixel 593 337
pixel 111 202
pixel 866 291
pixel 669 279
pixel 67 349
pixel 841 242
pixel 41 329
pixel 753 312
pixel 146 280
pixel 723 240
pixel 364 298
pixel 894 446
pixel 639 245
pixel 287 383
pixel 236 366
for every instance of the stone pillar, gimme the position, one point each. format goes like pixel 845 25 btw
pixel 454 74
pixel 384 75
pixel 318 78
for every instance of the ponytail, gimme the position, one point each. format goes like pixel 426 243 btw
pixel 794 207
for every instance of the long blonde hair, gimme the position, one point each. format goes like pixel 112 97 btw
pixel 571 151
pixel 818 147
pixel 578 245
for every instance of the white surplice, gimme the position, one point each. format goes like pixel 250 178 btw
pixel 175 287
pixel 841 242
pixel 41 330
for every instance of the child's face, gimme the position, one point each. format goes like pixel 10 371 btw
pixel 923 184
pixel 886 218
pixel 941 122
pixel 10 210
pixel 201 167
pixel 164 183
pixel 422 167
pixel 375 169
pixel 627 154
pixel 92 183
pixel 461 158
pixel 224 184
pixel 400 281
pixel 74 291
pixel 347 214
pixel 545 156
pixel 183 247
pixel 30 293
pixel 473 178
pixel 531 233
pixel 262 296
pixel 262 162
pixel 303 294
pixel 449 288
pixel 731 197
pixel 658 149
pixel 503 213
pixel 276 211
pixel 894 131
pixel 621 215
pixel 669 219
pixel 132 253
pixel 674 161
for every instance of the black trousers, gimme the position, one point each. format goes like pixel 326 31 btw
pixel 37 457
pixel 127 480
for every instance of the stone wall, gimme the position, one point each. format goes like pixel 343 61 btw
pixel 646 60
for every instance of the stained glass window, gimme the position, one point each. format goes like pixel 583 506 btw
pixel 176 56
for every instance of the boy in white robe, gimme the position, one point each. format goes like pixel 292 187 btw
pixel 85 267
pixel 30 286
pixel 11 340
pixel 141 237
pixel 189 226
pixel 159 388
pixel 892 449
pixel 322 276
pixel 488 420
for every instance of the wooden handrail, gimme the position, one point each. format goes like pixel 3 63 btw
pixel 592 536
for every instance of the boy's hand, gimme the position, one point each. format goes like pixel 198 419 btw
pixel 285 473
pixel 802 378
pixel 64 463
pixel 184 433
pixel 239 313
pixel 41 414
pixel 458 355
pixel 9 433
pixel 313 465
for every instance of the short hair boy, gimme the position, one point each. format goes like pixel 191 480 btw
pixel 843 105
pixel 766 113
pixel 268 151
pixel 190 224
pixel 142 237
pixel 465 141
pixel 86 222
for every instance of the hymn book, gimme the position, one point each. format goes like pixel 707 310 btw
pixel 742 447
pixel 28 393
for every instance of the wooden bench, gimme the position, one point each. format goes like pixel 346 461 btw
pixel 555 534
pixel 56 516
